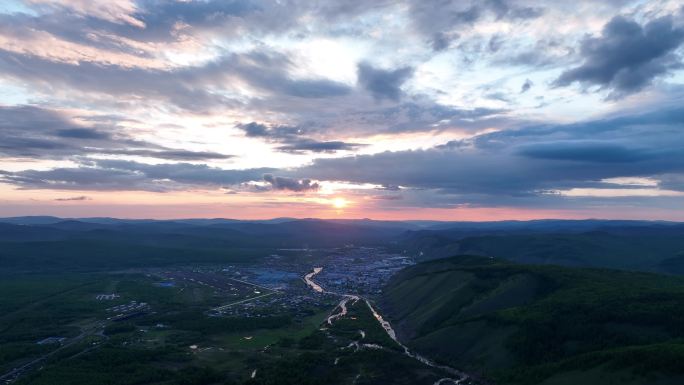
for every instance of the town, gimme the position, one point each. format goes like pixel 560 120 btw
pixel 275 286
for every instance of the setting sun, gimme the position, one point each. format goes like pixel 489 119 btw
pixel 340 203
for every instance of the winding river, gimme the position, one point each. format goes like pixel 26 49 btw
pixel 342 305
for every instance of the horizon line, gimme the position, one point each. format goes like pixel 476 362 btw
pixel 344 219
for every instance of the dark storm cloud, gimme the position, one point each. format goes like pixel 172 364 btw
pixel 169 154
pixel 256 17
pixel 176 87
pixel 162 15
pixel 506 9
pixel 440 20
pixel 528 162
pixel 290 184
pixel 27 131
pixel 382 83
pixel 254 129
pixel 293 139
pixel 672 181
pixel 421 115
pixel 355 117
pixel 161 21
pixel 269 71
pixel 318 146
pixel 190 88
pixel 441 41
pixel 162 18
pixel 631 127
pixel 438 16
pixel 448 170
pixel 516 167
pixel 169 21
pixel 585 151
pixel 627 56
pixel 272 132
pixel 526 86
pixel 34 132
pixel 186 173
pixel 388 197
pixel 216 85
pixel 81 178
pixel 81 133
pixel 120 175
pixel 545 52
pixel 78 198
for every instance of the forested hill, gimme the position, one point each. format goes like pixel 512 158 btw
pixel 656 248
pixel 56 245
pixel 550 325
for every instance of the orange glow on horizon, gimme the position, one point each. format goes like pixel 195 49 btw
pixel 325 210
pixel 212 204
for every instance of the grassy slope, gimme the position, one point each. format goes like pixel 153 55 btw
pixel 78 255
pixel 542 324
pixel 39 306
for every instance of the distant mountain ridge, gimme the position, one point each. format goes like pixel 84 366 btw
pixel 631 245
pixel 507 225
pixel 50 243
pixel 634 245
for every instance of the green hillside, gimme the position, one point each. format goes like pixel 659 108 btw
pixel 645 252
pixel 653 250
pixel 521 324
pixel 86 255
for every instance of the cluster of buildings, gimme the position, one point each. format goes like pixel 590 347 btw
pixel 106 297
pixel 275 285
pixel 51 340
pixel 295 305
pixel 349 270
pixel 360 270
pixel 127 310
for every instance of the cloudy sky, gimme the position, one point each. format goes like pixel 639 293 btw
pixel 452 110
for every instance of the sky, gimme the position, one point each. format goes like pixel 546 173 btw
pixel 414 109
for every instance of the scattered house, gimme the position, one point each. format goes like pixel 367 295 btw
pixel 106 297
pixel 51 340
pixel 166 284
